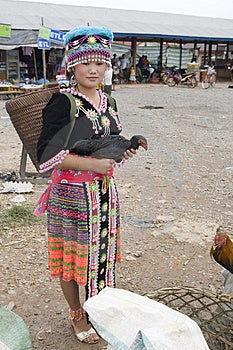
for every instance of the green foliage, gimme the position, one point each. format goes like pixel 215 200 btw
pixel 18 215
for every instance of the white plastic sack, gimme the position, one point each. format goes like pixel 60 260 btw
pixel 128 321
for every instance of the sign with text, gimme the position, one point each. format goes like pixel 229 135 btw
pixel 56 35
pixel 43 44
pixel 44 33
pixel 5 30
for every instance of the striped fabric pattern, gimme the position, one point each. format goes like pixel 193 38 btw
pixel 68 233
pixel 76 217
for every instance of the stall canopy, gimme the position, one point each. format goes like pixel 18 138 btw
pixel 125 24
pixel 19 38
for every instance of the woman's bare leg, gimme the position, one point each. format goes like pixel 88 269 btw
pixel 71 293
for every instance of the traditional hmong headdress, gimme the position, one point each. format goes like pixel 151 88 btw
pixel 85 44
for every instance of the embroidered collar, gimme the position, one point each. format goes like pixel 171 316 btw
pixel 103 99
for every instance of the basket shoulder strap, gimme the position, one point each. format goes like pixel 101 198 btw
pixel 73 110
pixel 73 107
pixel 111 100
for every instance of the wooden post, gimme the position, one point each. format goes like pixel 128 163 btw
pixel 180 55
pixel 195 50
pixel 210 51
pixel 227 52
pixel 204 61
pixel 44 66
pixel 160 55
pixel 35 64
pixel 134 52
pixel 44 59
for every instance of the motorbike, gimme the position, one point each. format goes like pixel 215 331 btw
pixel 178 78
pixel 166 73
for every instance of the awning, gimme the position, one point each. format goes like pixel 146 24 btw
pixel 20 37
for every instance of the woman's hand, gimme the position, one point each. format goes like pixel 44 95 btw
pixel 129 153
pixel 102 166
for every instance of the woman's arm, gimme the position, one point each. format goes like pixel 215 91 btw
pixel 101 166
pixel 75 162
pixel 56 119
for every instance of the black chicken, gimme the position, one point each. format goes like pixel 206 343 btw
pixel 111 146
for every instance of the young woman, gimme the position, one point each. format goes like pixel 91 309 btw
pixel 83 220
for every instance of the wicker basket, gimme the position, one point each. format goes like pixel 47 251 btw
pixel 214 317
pixel 25 113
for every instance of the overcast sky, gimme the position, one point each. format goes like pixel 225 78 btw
pixel 207 8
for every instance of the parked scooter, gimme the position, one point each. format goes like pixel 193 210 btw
pixel 166 73
pixel 189 79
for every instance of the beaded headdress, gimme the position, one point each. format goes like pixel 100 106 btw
pixel 85 44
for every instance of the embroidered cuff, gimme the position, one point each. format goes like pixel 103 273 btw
pixel 52 162
pixel 121 164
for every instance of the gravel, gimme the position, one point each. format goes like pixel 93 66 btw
pixel 173 197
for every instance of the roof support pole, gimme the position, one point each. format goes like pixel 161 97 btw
pixel 180 64
pixel 195 52
pixel 160 60
pixel 195 45
pixel 204 62
pixel 44 59
pixel 210 51
pixel 227 51
pixel 35 63
pixel 133 52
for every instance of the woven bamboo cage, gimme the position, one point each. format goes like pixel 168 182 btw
pixel 213 315
pixel 25 113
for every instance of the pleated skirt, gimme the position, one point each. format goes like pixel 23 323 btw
pixel 84 234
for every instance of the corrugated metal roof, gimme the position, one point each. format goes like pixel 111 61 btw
pixel 124 23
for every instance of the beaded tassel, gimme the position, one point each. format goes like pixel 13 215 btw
pixel 105 184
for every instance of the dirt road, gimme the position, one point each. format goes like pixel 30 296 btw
pixel 172 199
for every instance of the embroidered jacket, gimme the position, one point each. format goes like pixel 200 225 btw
pixel 56 126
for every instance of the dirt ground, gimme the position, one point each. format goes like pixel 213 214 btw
pixel 173 197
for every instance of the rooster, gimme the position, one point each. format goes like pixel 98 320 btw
pixel 110 146
pixel 222 252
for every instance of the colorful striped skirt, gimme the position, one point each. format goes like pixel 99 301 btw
pixel 84 234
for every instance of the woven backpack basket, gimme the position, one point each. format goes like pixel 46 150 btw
pixel 25 113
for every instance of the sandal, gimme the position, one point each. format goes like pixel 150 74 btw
pixel 77 315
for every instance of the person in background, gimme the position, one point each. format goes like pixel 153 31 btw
pixel 83 217
pixel 132 77
pixel 63 65
pixel 148 67
pixel 115 76
pixel 52 61
pixel 124 63
pixel 116 70
pixel 107 81
pixel 114 60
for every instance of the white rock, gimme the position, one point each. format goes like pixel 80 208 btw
pixel 18 199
